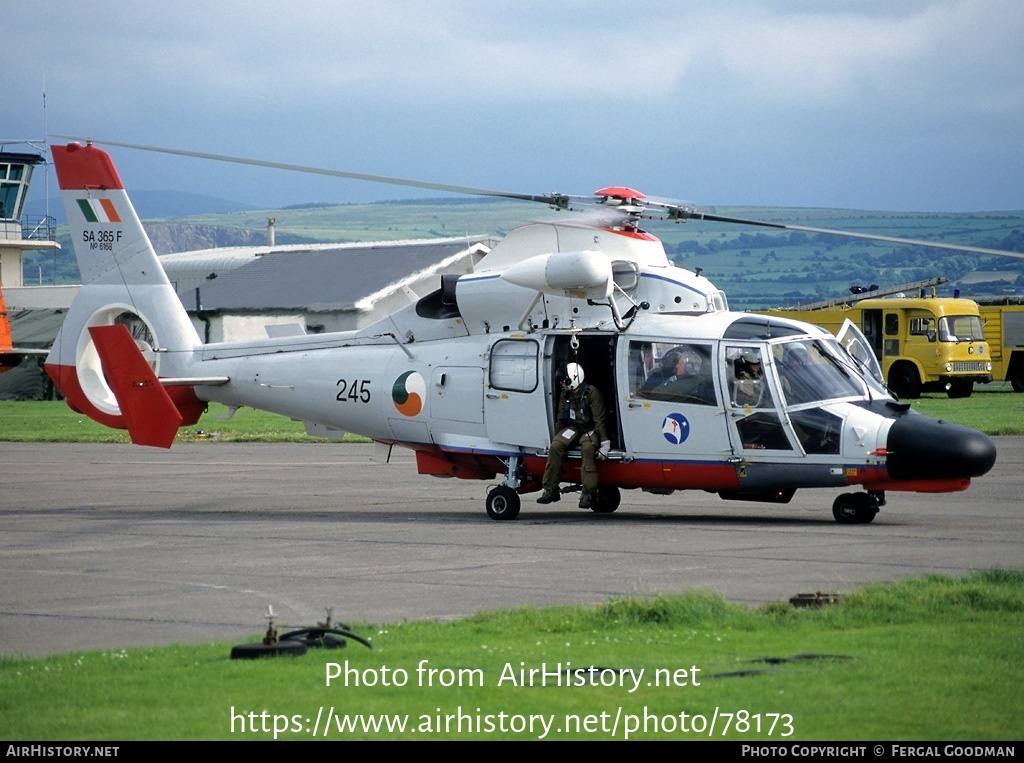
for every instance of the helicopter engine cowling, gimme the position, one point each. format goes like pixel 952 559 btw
pixel 585 274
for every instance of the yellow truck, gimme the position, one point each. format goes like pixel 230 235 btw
pixel 1003 321
pixel 923 342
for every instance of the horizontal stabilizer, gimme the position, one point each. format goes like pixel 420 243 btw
pixel 149 412
pixel 195 381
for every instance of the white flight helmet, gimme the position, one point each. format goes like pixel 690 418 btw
pixel 574 372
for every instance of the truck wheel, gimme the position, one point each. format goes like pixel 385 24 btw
pixel 960 388
pixel 1016 374
pixel 904 381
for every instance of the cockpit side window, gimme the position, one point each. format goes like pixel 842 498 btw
pixel 758 424
pixel 744 373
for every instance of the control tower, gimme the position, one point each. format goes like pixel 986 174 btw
pixel 16 237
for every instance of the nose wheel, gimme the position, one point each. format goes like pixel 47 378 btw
pixel 856 508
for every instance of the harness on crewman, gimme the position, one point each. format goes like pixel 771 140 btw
pixel 587 413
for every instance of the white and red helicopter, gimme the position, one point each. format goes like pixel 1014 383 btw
pixel 465 376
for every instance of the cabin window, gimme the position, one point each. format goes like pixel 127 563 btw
pixel 923 326
pixel 514 365
pixel 676 373
pixel 892 324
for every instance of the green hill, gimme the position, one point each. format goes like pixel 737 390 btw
pixel 756 267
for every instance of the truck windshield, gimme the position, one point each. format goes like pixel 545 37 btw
pixel 961 328
pixel 810 374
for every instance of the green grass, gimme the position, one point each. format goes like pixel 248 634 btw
pixel 992 409
pixel 935 658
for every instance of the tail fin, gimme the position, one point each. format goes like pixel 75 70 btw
pixel 122 282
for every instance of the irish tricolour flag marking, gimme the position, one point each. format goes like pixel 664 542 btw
pixel 99 210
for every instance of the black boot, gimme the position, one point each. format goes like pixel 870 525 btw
pixel 550 496
pixel 585 500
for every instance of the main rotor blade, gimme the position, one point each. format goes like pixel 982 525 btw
pixel 556 200
pixel 694 215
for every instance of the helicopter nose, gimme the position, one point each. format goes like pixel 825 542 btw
pixel 920 447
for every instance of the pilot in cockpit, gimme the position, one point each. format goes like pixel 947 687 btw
pixel 748 375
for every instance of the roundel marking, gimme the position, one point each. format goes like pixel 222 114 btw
pixel 408 393
pixel 676 428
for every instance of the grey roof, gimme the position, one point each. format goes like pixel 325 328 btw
pixel 324 278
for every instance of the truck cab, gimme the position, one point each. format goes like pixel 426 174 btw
pixel 923 342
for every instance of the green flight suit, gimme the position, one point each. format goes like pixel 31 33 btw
pixel 580 419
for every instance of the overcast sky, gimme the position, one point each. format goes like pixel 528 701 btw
pixel 867 104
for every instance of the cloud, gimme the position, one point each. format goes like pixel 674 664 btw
pixel 888 99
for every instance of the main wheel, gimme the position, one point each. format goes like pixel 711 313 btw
pixel 854 509
pixel 905 381
pixel 605 500
pixel 503 503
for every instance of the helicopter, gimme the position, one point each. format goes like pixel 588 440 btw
pixel 466 376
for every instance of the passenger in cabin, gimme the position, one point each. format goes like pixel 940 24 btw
pixel 685 377
pixel 580 420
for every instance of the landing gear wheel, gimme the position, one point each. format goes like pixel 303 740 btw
pixel 960 388
pixel 854 509
pixel 503 503
pixel 904 381
pixel 605 500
